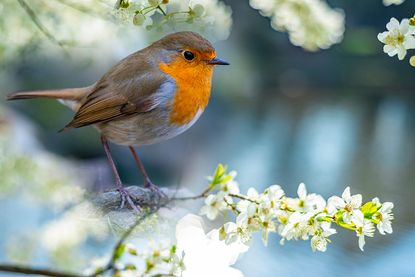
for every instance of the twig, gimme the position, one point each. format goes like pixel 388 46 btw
pixel 184 198
pixel 37 22
pixel 111 263
pixel 35 271
pixel 242 197
pixel 83 10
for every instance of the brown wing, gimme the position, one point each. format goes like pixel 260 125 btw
pixel 127 89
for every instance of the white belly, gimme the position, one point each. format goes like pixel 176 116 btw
pixel 141 129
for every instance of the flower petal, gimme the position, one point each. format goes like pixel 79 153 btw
pixel 302 191
pixel 393 24
pixel 409 42
pixel 346 194
pixel 401 52
pixel 356 201
pixel 361 242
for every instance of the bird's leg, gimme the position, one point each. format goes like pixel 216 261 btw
pixel 147 182
pixel 124 194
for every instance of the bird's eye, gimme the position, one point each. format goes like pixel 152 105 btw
pixel 188 55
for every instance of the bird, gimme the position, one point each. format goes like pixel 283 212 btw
pixel 148 97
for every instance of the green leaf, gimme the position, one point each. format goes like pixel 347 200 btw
pixel 119 251
pixel 369 209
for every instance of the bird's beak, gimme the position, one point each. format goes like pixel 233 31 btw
pixel 217 61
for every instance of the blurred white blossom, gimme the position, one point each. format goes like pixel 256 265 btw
pixel 205 254
pixel 72 229
pixel 392 2
pixel 311 24
pixel 398 38
pixel 19 32
pixel 212 18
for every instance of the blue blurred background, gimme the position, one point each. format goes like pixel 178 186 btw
pixel 338 117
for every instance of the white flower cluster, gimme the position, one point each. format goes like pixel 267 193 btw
pixel 209 17
pixel 399 37
pixel 300 218
pixel 311 24
pixel 186 258
pixel 392 2
pixel 128 261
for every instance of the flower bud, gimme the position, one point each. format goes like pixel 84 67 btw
pixel 198 10
pixel 139 19
pixel 154 2
pixel 412 61
pixel 122 4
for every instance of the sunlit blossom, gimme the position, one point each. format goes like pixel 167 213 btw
pixel 398 38
pixel 349 203
pixel 205 254
pixel 302 218
pixel 364 228
pixel 384 216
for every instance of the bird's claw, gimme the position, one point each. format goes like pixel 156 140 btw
pixel 155 189
pixel 126 197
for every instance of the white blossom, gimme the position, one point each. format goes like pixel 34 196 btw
pixel 385 217
pixel 350 204
pixel 231 186
pixel 363 227
pixel 398 38
pixel 296 228
pixel 205 254
pixel 308 202
pixel 311 24
pixel 320 240
pixel 236 232
pixel 392 2
pixel 214 204
pixel 302 218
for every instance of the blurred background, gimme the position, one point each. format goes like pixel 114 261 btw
pixel 278 115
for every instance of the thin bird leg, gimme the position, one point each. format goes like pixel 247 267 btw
pixel 147 182
pixel 124 194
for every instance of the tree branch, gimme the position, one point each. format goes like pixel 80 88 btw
pixel 110 266
pixel 37 22
pixel 142 197
pixel 150 202
pixel 35 271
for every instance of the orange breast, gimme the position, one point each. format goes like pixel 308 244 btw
pixel 193 89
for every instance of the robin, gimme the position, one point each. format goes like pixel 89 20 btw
pixel 150 96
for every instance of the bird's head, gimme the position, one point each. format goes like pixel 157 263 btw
pixel 188 51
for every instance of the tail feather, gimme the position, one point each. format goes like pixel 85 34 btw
pixel 63 94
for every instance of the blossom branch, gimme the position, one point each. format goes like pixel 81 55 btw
pixel 308 215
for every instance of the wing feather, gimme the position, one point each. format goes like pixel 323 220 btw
pixel 127 89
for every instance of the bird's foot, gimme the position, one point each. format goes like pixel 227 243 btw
pixel 126 197
pixel 155 189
